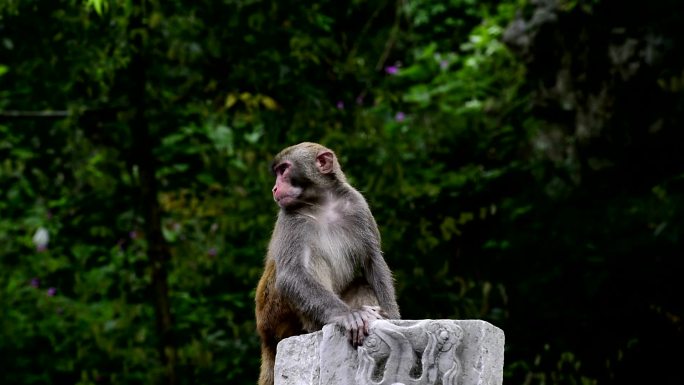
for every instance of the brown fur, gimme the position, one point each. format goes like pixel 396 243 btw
pixel 276 319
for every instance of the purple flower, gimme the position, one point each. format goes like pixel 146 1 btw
pixel 359 100
pixel 444 64
pixel 340 105
pixel 133 234
pixel 392 70
pixel 41 248
pixel 51 292
pixel 35 282
pixel 400 116
pixel 212 252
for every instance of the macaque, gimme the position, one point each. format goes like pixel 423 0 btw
pixel 324 264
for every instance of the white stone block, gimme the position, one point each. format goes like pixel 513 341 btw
pixel 422 352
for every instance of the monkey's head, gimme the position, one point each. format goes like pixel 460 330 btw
pixel 304 172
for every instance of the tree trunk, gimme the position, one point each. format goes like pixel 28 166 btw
pixel 157 250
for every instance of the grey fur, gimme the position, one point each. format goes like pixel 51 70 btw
pixel 328 248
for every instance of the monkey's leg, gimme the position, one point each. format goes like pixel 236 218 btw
pixel 268 354
pixel 358 294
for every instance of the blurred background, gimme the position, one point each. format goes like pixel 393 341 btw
pixel 524 160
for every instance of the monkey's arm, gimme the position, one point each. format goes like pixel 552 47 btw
pixel 377 273
pixel 296 281
pixel 380 278
pixel 317 304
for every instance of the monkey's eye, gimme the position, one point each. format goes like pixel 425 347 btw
pixel 280 169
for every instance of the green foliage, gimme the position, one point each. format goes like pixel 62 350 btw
pixel 490 206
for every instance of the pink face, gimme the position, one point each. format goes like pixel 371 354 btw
pixel 284 193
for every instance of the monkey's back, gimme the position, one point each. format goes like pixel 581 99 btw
pixel 275 316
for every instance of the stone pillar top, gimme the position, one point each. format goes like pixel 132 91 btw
pixel 410 352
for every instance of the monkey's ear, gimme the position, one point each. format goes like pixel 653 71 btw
pixel 324 161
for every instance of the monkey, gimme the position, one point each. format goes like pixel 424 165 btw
pixel 324 263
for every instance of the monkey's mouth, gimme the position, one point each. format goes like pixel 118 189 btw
pixel 285 200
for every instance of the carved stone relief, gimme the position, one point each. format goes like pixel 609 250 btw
pixel 396 352
pixel 421 354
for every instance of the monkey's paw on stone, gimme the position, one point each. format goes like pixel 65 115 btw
pixel 358 321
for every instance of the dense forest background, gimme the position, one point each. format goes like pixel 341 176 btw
pixel 524 160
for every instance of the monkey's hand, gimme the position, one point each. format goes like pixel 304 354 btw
pixel 357 322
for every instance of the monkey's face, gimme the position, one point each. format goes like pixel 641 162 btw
pixel 285 193
pixel 304 172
